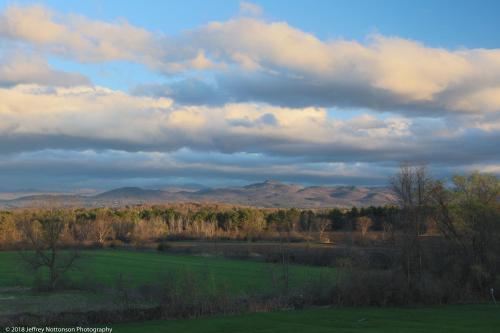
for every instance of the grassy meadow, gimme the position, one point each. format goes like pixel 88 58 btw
pixel 106 266
pixel 452 318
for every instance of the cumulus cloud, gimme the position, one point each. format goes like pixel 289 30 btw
pixel 382 73
pixel 35 117
pixel 245 99
pixel 276 63
pixel 76 36
pixel 104 114
pixel 81 111
pixel 248 8
pixel 19 68
pixel 385 73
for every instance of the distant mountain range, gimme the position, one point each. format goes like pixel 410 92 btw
pixel 267 194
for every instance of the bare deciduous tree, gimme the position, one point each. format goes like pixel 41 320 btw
pixel 412 186
pixel 322 224
pixel 43 231
pixel 364 223
pixel 468 216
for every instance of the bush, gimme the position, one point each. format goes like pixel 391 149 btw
pixel 373 287
pixel 115 244
pixel 42 284
pixel 163 246
pixel 496 288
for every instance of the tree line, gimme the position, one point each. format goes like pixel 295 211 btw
pixel 190 221
pixel 463 214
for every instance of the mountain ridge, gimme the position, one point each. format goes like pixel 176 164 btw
pixel 270 193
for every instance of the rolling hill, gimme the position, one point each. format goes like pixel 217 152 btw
pixel 266 194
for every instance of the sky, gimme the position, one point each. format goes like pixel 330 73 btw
pixel 104 94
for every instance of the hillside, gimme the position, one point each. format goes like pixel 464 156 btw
pixel 266 194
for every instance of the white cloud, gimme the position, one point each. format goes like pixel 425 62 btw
pixel 94 112
pixel 19 68
pixel 76 36
pixel 101 113
pixel 397 73
pixel 34 117
pixel 386 73
pixel 244 87
pixel 248 8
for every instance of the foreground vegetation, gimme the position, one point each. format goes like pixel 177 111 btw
pixel 458 318
pixel 107 266
pixel 460 263
pixel 124 285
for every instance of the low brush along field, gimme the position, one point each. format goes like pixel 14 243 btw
pixel 99 271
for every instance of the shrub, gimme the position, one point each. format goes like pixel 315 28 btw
pixel 163 246
pixel 116 243
pixel 373 287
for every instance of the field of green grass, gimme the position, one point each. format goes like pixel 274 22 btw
pixel 457 318
pixel 105 266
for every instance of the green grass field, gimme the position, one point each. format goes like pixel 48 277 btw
pixel 105 266
pixel 459 318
